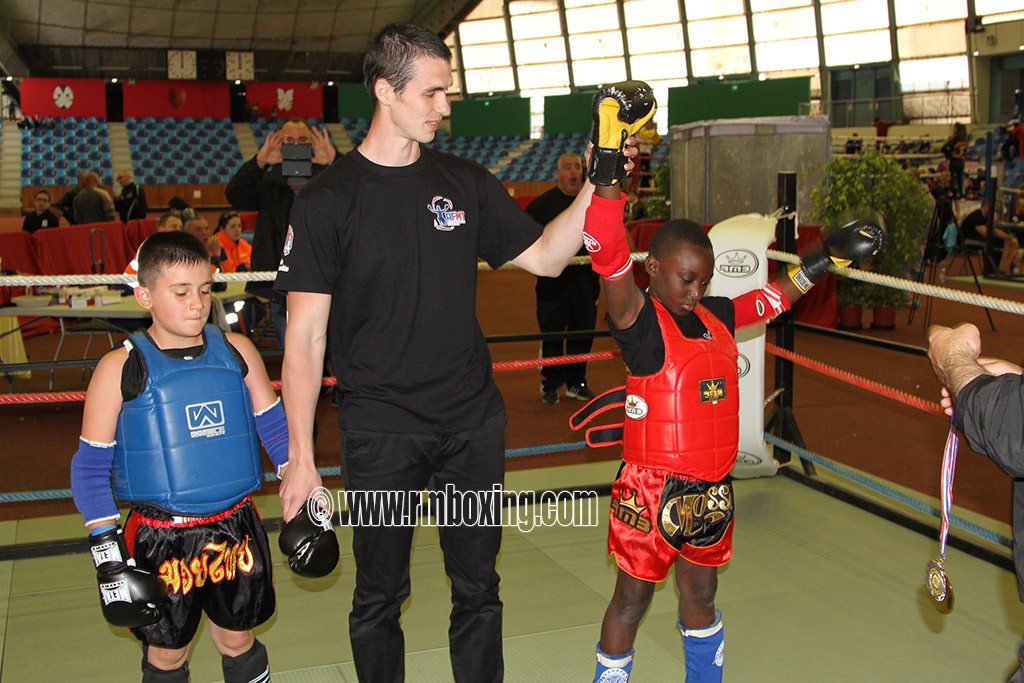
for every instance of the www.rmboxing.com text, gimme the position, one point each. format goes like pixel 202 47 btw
pixel 450 507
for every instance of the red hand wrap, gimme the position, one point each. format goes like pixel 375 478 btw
pixel 605 238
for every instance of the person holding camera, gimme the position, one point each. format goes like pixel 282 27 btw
pixel 261 185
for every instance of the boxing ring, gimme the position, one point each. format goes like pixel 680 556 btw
pixel 824 580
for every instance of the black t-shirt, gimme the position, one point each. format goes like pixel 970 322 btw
pixel 397 250
pixel 133 372
pixel 544 208
pixel 37 221
pixel 969 226
pixel 643 348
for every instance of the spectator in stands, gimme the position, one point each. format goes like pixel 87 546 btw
pixel 854 144
pixel 635 209
pixel 168 222
pixel 955 150
pixel 1015 131
pixel 646 139
pixel 200 228
pixel 237 252
pixel 42 217
pixel 129 198
pixel 974 226
pixel 882 133
pixel 181 208
pixel 92 204
pixel 66 202
pixel 567 302
pixel 259 186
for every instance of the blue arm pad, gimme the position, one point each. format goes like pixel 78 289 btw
pixel 272 426
pixel 90 481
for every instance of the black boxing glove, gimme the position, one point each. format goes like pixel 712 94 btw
pixel 855 241
pixel 129 596
pixel 311 545
pixel 620 109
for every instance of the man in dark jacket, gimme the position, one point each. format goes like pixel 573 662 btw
pixel 988 394
pixel 129 198
pixel 260 186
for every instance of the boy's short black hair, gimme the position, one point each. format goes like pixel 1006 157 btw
pixel 393 52
pixel 42 192
pixel 676 232
pixel 163 249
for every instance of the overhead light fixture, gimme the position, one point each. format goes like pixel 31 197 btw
pixel 113 80
pixel 330 83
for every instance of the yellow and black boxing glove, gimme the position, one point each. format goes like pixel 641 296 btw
pixel 620 110
pixel 855 241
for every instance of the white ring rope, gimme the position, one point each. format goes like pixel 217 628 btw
pixel 959 296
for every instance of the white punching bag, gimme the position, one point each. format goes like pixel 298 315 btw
pixel 741 265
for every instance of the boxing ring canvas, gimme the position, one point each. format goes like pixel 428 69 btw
pixel 723 168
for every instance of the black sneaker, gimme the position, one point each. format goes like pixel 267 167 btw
pixel 580 392
pixel 550 397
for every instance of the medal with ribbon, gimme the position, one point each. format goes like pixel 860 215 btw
pixel 936 580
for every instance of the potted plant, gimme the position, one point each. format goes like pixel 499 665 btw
pixel 883 301
pixel 873 186
pixel 850 295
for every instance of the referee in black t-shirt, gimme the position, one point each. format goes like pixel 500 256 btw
pixel 382 248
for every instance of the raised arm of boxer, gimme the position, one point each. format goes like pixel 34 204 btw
pixel 619 111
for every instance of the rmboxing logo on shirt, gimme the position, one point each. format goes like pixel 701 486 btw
pixel 205 420
pixel 445 219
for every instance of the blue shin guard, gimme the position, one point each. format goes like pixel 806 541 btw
pixel 613 668
pixel 705 651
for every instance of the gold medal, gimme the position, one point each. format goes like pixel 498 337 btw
pixel 938 586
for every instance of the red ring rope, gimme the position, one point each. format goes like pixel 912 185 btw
pixel 842 375
pixel 856 380
pixel 73 396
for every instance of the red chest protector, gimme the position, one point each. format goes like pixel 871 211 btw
pixel 684 418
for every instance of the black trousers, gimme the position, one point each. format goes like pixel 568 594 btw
pixel 573 308
pixel 470 461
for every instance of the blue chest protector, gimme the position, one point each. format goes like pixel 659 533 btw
pixel 187 443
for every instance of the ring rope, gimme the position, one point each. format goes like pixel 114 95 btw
pixel 76 396
pixel 956 295
pixel 888 491
pixel 856 380
pixel 921 288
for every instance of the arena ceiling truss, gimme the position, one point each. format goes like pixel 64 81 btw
pixel 290 39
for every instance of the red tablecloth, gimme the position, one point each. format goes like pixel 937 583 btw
pixel 71 250
pixel 18 252
pixel 66 250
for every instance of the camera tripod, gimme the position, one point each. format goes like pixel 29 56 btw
pixel 935 253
